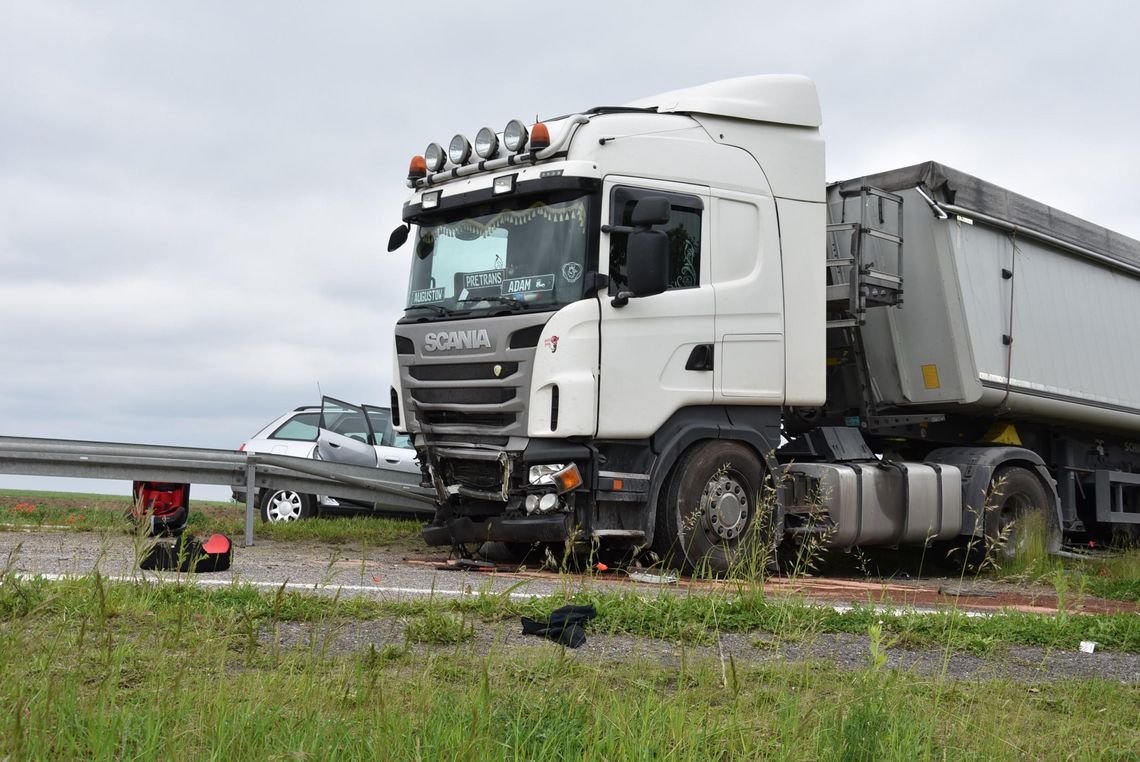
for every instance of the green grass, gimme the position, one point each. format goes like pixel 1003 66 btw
pixel 92 670
pixel 440 627
pixel 23 494
pixel 1115 576
pixel 87 512
pixel 694 619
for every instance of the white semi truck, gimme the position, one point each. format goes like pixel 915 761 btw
pixel 630 325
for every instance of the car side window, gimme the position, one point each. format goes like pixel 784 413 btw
pixel 351 425
pixel 381 421
pixel 683 231
pixel 301 427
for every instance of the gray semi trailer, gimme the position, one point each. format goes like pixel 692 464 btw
pixel 630 325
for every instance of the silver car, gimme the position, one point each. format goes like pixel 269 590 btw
pixel 296 434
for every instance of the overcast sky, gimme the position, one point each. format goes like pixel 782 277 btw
pixel 195 197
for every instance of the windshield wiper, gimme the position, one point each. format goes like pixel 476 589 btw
pixel 515 303
pixel 436 307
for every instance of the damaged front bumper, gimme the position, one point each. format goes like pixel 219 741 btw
pixel 523 495
pixel 521 529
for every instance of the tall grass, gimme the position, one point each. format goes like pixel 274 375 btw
pixel 94 670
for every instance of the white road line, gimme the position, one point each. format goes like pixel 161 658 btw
pixel 425 592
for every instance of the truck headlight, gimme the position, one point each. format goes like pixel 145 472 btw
pixel 542 503
pixel 562 477
pixel 434 157
pixel 544 474
pixel 459 151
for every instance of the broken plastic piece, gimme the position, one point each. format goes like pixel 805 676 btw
pixel 654 579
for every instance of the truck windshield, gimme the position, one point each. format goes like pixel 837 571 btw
pixel 525 252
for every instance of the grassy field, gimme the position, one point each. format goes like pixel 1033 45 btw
pixel 94 670
pixel 89 512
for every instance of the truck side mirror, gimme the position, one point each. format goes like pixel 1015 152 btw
pixel 647 263
pixel 398 238
pixel 649 211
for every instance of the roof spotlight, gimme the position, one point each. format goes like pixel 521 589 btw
pixel 460 150
pixel 434 156
pixel 486 143
pixel 515 136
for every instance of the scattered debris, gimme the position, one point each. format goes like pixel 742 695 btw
pixel 958 592
pixel 1088 646
pixel 566 625
pixel 669 578
pixel 467 564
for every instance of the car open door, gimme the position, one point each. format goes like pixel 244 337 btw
pixel 345 434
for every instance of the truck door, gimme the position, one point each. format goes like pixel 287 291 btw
pixel 749 289
pixel 655 350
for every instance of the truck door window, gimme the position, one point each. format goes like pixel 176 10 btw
pixel 683 231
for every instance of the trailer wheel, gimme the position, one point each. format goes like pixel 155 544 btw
pixel 707 514
pixel 1018 512
pixel 279 505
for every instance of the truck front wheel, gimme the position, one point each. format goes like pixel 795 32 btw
pixel 1019 516
pixel 710 509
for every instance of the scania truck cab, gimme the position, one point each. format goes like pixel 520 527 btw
pixel 616 317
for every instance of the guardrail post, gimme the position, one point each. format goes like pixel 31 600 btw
pixel 250 498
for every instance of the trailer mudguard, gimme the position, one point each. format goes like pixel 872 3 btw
pixel 978 465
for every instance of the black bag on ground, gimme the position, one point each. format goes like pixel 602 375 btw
pixel 566 625
pixel 186 554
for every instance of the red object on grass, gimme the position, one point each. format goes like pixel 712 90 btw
pixel 216 545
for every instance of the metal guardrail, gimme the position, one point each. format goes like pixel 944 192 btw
pixel 398 491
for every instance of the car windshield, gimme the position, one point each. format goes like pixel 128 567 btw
pixel 526 252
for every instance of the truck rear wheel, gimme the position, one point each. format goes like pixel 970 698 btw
pixel 1019 514
pixel 707 514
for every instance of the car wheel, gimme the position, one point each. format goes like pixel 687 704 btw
pixel 278 505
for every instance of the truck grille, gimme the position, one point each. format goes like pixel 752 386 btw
pixel 469 394
pixel 481 475
pixel 462 418
pixel 472 371
pixel 464 396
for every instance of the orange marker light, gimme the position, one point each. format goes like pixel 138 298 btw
pixel 618 484
pixel 418 168
pixel 539 137
pixel 568 478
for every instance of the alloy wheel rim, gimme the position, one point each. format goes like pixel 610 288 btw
pixel 284 506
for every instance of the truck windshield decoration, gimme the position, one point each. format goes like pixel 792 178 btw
pixel 520 252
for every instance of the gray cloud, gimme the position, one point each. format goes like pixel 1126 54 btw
pixel 195 198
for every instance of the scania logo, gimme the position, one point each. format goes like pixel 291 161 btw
pixel 444 340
